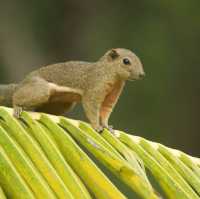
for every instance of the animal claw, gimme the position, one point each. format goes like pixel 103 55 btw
pixel 17 112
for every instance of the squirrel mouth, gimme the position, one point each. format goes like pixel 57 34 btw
pixel 133 79
pixel 139 77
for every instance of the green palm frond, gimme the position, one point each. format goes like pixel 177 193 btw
pixel 45 156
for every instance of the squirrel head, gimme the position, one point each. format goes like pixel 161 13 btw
pixel 125 63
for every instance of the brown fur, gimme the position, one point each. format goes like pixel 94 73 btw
pixel 97 85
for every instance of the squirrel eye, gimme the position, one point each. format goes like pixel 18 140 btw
pixel 126 61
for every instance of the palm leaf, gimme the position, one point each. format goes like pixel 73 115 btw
pixel 55 157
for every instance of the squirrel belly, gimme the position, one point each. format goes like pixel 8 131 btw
pixel 61 99
pixel 64 90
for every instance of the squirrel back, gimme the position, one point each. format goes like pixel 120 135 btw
pixel 73 74
pixel 6 93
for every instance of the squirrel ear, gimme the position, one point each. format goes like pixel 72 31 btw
pixel 113 54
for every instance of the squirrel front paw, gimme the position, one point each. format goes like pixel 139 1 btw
pixel 110 128
pixel 101 128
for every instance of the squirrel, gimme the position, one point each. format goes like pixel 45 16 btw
pixel 56 88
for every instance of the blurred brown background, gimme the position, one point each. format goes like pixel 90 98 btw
pixel 165 106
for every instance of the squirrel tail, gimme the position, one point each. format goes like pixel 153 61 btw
pixel 6 93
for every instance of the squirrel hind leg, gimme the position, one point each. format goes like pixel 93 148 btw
pixel 17 111
pixel 30 95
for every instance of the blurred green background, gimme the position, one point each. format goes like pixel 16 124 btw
pixel 164 107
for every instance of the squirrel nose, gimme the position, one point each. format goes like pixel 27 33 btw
pixel 141 75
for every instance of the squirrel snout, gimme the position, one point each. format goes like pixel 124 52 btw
pixel 142 75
